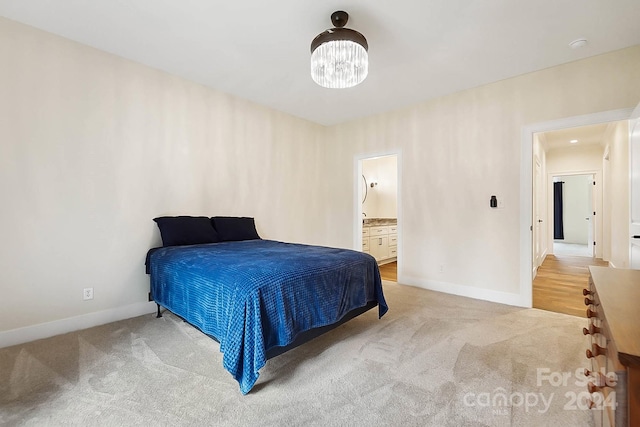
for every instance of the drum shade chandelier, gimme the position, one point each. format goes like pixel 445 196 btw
pixel 339 56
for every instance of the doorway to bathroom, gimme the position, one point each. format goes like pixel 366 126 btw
pixel 377 214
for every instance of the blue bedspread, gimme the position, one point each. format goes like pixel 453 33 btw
pixel 254 295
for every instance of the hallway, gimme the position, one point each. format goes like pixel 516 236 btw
pixel 389 271
pixel 559 283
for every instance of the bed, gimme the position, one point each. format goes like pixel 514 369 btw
pixel 259 298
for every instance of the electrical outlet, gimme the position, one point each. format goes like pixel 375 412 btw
pixel 441 268
pixel 87 294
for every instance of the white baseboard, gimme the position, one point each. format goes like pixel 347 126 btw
pixel 70 324
pixel 467 291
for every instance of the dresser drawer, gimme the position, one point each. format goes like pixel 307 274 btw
pixel 365 244
pixel 614 352
pixel 393 229
pixel 393 240
pixel 393 251
pixel 365 231
pixel 378 231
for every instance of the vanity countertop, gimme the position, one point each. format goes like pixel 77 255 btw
pixel 377 222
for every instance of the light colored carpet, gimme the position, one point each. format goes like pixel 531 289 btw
pixel 433 360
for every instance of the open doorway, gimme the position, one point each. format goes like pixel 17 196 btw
pixel 377 214
pixel 615 216
pixel 573 215
pixel 568 214
pixel 569 193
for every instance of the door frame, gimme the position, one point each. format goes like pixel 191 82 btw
pixel 593 222
pixel 357 202
pixel 633 230
pixel 526 185
pixel 539 195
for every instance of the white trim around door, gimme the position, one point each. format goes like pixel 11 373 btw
pixel 526 185
pixel 357 182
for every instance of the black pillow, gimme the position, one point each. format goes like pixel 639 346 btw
pixel 233 228
pixel 186 230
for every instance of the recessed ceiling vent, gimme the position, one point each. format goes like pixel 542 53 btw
pixel 577 44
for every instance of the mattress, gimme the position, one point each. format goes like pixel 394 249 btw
pixel 255 295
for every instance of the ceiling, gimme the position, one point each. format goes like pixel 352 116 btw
pixel 418 50
pixel 584 135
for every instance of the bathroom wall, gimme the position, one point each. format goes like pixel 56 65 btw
pixel 381 174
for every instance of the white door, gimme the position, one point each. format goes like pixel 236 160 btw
pixel 634 154
pixel 537 217
pixel 590 219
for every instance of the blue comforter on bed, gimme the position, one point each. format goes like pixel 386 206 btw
pixel 254 295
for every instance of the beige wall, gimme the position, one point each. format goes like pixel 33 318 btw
pixel 575 159
pixel 617 190
pixel 92 147
pixel 460 149
pixel 382 198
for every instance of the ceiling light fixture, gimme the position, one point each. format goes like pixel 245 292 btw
pixel 574 141
pixel 339 57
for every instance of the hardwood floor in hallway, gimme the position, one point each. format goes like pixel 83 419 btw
pixel 389 271
pixel 559 283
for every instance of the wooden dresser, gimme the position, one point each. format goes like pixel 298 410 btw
pixel 613 311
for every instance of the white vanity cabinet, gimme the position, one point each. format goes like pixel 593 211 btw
pixel 381 241
pixel 379 247
pixel 365 239
pixel 393 241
